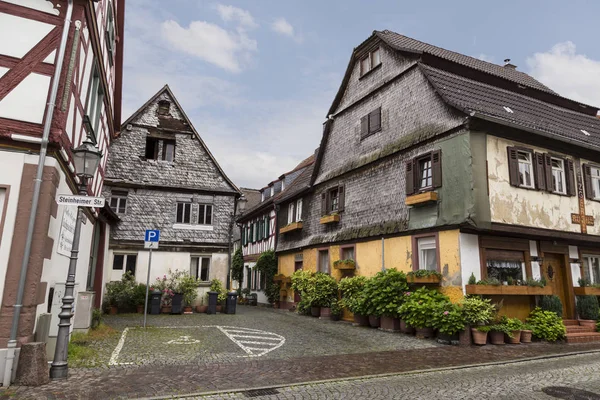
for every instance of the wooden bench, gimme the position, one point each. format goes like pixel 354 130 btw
pixel 252 299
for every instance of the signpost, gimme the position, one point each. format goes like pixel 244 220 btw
pixel 151 239
pixel 81 201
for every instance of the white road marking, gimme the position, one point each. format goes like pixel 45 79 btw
pixel 117 350
pixel 183 340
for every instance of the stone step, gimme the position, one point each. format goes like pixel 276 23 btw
pixel 579 329
pixel 583 337
pixel 569 322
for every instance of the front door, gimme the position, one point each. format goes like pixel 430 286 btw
pixel 555 272
pixel 297 266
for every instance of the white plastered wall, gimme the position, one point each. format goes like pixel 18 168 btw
pixel 469 257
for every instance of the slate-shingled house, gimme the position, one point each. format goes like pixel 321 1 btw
pixel 435 160
pixel 161 175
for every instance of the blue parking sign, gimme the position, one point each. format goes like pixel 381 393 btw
pixel 152 235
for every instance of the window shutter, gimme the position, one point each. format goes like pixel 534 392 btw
pixel 324 203
pixel 570 178
pixel 244 236
pixel 513 166
pixel 436 168
pixel 587 180
pixel 410 178
pixel 548 171
pixel 375 120
pixel 268 226
pixel 364 126
pixel 341 197
pixel 538 169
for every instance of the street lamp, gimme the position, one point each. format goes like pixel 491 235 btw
pixel 241 206
pixel 86 158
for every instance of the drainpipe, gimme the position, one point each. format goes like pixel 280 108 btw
pixel 12 343
pixel 383 254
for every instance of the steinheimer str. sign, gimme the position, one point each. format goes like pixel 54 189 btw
pixel 81 201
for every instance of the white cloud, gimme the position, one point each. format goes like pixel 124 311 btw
pixel 283 27
pixel 572 75
pixel 231 13
pixel 226 49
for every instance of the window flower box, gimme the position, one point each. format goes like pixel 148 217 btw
pixel 345 264
pixel 587 291
pixel 421 199
pixel 506 290
pixel 294 226
pixel 429 279
pixel 329 219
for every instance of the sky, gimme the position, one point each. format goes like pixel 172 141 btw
pixel 257 77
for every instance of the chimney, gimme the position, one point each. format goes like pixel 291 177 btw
pixel 507 64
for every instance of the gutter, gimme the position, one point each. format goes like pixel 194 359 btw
pixel 12 342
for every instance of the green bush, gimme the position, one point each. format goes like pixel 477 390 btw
pixel 323 290
pixel 514 324
pixel 546 325
pixel 237 267
pixel 272 292
pixel 472 279
pixel 303 306
pixel 139 294
pixel 301 281
pixel 536 282
pixel 552 303
pixel 587 307
pixel 583 282
pixel 352 292
pixel 336 308
pixel 121 293
pixel 217 286
pixel 477 311
pixel 385 292
pixel 418 307
pixel 490 282
pixel 188 285
pixel 448 318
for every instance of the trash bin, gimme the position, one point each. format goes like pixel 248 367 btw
pixel 177 303
pixel 230 303
pixel 155 297
pixel 212 303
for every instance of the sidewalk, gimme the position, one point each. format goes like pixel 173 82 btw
pixel 170 380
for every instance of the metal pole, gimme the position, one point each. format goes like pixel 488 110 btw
pixel 60 368
pixel 12 342
pixel 383 254
pixel 147 286
pixel 230 281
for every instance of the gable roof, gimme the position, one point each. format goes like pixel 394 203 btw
pixel 167 89
pixel 299 185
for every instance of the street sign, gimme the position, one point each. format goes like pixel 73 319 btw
pixel 151 239
pixel 81 201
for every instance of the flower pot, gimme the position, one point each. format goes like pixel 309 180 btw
pixel 444 338
pixel 315 311
pixel 479 338
pixel 113 310
pixel 389 324
pixel 374 321
pixel 140 308
pixel 361 320
pixel 219 308
pixel 188 310
pixel 276 304
pixel 515 339
pixel 404 328
pixel 496 337
pixel 165 309
pixel 464 336
pixel 201 309
pixel 335 317
pixel 325 312
pixel 587 322
pixel 526 336
pixel 424 333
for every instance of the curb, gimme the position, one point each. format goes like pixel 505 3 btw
pixel 366 377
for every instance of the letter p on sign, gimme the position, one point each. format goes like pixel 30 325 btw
pixel 151 238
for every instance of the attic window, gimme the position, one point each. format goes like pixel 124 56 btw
pixel 508 110
pixel 586 133
pixel 370 61
pixel 163 107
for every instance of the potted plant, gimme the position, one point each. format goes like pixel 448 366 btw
pixel 113 291
pixel 217 286
pixel 348 264
pixel 480 334
pixel 514 326
pixel 385 292
pixel 449 320
pixel 552 303
pixel 139 297
pixel 424 276
pixel 477 313
pixel 526 333
pixel 351 289
pixel 202 308
pixel 336 311
pixel 546 325
pixel 322 291
pixel 587 310
pixel 188 285
pixel 418 309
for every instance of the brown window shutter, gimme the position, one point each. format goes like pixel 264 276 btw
pixel 364 126
pixel 341 197
pixel 410 178
pixel 538 168
pixel 436 168
pixel 513 166
pixel 548 172
pixel 587 180
pixel 324 203
pixel 570 178
pixel 375 120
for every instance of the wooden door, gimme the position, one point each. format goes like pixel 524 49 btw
pixel 297 266
pixel 555 272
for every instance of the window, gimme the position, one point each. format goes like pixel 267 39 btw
pixel 424 173
pixel 525 169
pixel 110 34
pixel 595 176
pixel 163 107
pixel 541 171
pixel 591 269
pixel 152 149
pixel 184 211
pixel 324 261
pixel 200 268
pixel 591 177
pixel 125 260
pixel 299 210
pixel 290 213
pixel 558 175
pixel 168 150
pixel 347 253
pixel 94 104
pixel 248 277
pixel 505 265
pixel 205 214
pixel 370 123
pixel 427 253
pixel 118 201
pixel 370 61
pixel 333 200
pixel 267 226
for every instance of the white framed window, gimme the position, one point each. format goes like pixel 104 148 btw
pixel 425 173
pixel 125 262
pixel 184 212
pixel 262 196
pixel 370 61
pixel 118 201
pixel 595 175
pixel 324 261
pixel 290 213
pixel 525 169
pixel 200 268
pixel 272 191
pixel 558 175
pixel 427 253
pixel 205 212
pixel 591 268
pixel 95 103
pixel 299 210
pixel 347 253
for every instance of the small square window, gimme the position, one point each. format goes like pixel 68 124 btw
pixel 184 211
pixel 347 253
pixel 200 268
pixel 370 61
pixel 205 214
pixel 163 107
pixel 118 202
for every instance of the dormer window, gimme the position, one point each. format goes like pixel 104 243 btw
pixel 370 61
pixel 163 107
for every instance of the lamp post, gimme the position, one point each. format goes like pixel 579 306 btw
pixel 241 206
pixel 86 158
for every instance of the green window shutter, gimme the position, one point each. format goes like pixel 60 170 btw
pixel 267 226
pixel 243 236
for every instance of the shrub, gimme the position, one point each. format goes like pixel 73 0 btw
pixel 490 281
pixel 552 303
pixel 514 324
pixel 188 285
pixel 546 325
pixel 536 282
pixel 418 307
pixel 303 306
pixel 477 311
pixel 336 308
pixel 301 282
pixel 448 318
pixel 323 290
pixel 501 327
pixel 587 307
pixel 385 292
pixel 139 294
pixel 121 293
pixel 583 282
pixel 237 267
pixel 272 292
pixel 352 292
pixel 217 286
pixel 472 279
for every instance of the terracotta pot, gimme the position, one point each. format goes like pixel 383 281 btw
pixel 424 333
pixel 325 312
pixel 361 320
pixel 587 322
pixel 389 324
pixel 479 338
pixel 201 309
pixel 404 328
pixel 496 337
pixel 165 309
pixel 188 310
pixel 515 339
pixel 315 311
pixel 113 310
pixel 140 308
pixel 219 308
pixel 464 337
pixel 526 336
pixel 374 321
